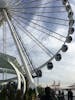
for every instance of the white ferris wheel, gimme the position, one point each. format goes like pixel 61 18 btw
pixel 33 33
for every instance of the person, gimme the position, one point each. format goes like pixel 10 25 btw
pixel 70 94
pixel 62 96
pixel 59 95
pixel 3 94
pixel 47 95
pixel 53 95
pixel 19 95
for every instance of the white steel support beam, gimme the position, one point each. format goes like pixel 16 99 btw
pixel 18 75
pixel 24 83
pixel 18 44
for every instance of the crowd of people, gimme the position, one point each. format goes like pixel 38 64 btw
pixel 10 92
pixel 51 95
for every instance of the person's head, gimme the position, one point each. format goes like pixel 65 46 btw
pixel 47 90
pixel 59 92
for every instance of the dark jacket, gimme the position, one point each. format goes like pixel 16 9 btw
pixel 46 97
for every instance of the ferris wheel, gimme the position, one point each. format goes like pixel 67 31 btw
pixel 33 33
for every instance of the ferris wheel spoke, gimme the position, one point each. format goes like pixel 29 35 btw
pixel 49 22
pixel 41 5
pixel 48 2
pixel 25 51
pixel 42 27
pixel 33 7
pixel 33 1
pixel 28 56
pixel 22 3
pixel 30 35
pixel 40 12
pixel 36 6
pixel 39 0
pixel 15 3
pixel 22 10
pixel 32 11
pixel 4 37
pixel 41 30
pixel 38 15
pixel 44 20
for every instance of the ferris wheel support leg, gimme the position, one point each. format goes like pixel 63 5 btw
pixel 18 75
pixel 24 82
pixel 17 42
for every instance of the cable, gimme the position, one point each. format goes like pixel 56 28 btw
pixel 46 50
pixel 43 31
